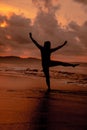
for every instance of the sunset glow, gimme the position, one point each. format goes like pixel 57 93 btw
pixel 6 9
pixel 52 20
pixel 3 24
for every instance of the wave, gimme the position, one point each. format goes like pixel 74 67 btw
pixel 73 77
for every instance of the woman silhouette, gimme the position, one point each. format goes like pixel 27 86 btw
pixel 45 55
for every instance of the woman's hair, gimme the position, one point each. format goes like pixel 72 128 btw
pixel 47 44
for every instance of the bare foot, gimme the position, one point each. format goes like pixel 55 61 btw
pixel 74 65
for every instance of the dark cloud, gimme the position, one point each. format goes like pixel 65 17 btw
pixel 14 38
pixel 82 1
pixel 47 28
pixel 46 24
pixel 80 32
pixel 18 28
pixel 2 18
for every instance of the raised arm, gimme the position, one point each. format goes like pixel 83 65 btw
pixel 35 42
pixel 54 49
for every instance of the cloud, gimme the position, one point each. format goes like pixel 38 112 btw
pixel 14 38
pixel 18 28
pixel 82 1
pixel 80 32
pixel 46 5
pixel 46 22
pixel 48 28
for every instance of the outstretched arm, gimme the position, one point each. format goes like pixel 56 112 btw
pixel 35 42
pixel 54 49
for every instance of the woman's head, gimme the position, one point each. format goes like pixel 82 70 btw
pixel 47 44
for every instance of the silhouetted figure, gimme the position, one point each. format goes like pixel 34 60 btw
pixel 45 55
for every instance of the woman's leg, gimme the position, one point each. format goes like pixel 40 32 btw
pixel 46 72
pixel 59 63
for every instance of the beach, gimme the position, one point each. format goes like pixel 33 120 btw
pixel 26 104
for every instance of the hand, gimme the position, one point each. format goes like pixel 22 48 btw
pixel 30 34
pixel 65 42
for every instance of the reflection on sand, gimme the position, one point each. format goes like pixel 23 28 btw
pixel 35 109
pixel 41 117
pixel 54 111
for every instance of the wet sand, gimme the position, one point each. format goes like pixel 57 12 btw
pixel 25 104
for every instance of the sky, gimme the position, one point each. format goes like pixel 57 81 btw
pixel 53 20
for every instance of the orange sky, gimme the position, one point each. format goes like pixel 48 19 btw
pixel 65 19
